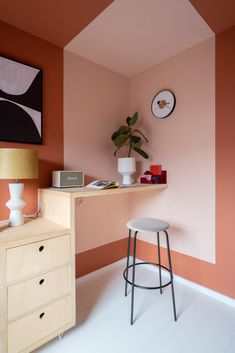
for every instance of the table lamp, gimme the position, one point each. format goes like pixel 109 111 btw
pixel 17 163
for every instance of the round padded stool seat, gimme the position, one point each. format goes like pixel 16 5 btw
pixel 147 225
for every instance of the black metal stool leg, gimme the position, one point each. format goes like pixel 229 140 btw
pixel 133 279
pixel 171 273
pixel 127 259
pixel 159 260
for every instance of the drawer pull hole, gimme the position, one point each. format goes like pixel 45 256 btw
pixel 41 248
pixel 41 282
pixel 41 316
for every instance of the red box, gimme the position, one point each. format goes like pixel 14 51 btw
pixel 156 169
pixel 164 177
pixel 143 180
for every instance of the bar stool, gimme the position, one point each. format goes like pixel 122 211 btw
pixel 148 225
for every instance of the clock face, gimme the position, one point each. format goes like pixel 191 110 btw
pixel 163 104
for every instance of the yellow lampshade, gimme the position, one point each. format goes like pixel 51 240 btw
pixel 18 163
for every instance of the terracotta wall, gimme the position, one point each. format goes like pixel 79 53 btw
pixel 31 50
pixel 218 276
pixel 225 167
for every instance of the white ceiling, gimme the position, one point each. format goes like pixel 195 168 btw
pixel 131 36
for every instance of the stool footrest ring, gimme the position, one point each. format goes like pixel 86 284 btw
pixel 147 287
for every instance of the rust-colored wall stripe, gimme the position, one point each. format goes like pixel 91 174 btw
pixel 94 259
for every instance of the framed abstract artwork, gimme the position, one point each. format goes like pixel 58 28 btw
pixel 20 102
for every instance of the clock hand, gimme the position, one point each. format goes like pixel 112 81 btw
pixel 162 104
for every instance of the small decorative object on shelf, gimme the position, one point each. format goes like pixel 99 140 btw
pixel 156 179
pixel 146 178
pixel 164 177
pixel 130 136
pixel 156 169
pixel 155 176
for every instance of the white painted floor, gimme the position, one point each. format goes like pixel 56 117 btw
pixel 204 325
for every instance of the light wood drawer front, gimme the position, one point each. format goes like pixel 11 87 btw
pixel 37 257
pixel 30 294
pixel 31 328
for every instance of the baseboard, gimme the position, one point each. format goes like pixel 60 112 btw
pixel 215 295
pixel 204 290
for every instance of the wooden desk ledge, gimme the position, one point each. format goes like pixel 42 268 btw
pixel 88 192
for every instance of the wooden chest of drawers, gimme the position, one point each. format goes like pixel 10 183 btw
pixel 37 284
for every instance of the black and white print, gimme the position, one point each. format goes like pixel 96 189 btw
pixel 20 102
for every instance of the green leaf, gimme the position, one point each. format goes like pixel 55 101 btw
pixel 124 130
pixel 128 119
pixel 126 135
pixel 133 119
pixel 135 139
pixel 141 152
pixel 115 152
pixel 120 140
pixel 114 135
pixel 135 145
pixel 139 132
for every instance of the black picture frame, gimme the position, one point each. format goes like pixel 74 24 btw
pixel 20 102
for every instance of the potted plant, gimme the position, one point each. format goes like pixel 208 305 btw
pixel 128 135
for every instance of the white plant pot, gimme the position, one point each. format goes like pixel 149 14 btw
pixel 126 167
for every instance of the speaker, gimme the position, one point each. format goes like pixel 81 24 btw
pixel 67 178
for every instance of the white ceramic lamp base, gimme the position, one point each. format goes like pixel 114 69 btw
pixel 15 204
pixel 126 167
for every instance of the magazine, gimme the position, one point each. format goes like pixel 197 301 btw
pixel 103 184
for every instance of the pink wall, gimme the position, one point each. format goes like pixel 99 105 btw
pixel 95 102
pixel 184 144
pixel 166 139
pixel 216 276
pixel 100 221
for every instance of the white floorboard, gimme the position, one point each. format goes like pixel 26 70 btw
pixel 204 324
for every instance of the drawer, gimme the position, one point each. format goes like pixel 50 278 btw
pixel 28 295
pixel 31 259
pixel 32 328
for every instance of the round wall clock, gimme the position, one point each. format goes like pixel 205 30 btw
pixel 163 104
